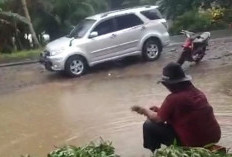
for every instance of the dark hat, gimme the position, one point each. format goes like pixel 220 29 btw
pixel 173 73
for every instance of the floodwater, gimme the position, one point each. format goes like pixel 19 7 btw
pixel 37 118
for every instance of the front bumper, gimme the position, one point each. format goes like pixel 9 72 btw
pixel 52 63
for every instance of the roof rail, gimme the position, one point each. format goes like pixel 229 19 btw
pixel 113 11
pixel 147 6
pixel 123 9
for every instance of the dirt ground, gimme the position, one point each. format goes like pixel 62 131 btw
pixel 40 109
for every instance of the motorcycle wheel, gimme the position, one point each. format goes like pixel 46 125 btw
pixel 199 56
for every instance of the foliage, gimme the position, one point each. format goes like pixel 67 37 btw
pixel 175 151
pixel 174 8
pixel 216 13
pixel 228 15
pixel 54 17
pixel 223 3
pixel 14 27
pixel 221 14
pixel 13 16
pixel 59 16
pixel 103 149
pixel 192 21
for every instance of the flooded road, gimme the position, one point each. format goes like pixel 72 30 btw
pixel 40 110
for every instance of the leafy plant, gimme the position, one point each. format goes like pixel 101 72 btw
pixel 102 149
pixel 175 151
pixel 105 149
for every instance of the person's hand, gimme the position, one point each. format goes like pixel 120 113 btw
pixel 154 108
pixel 138 109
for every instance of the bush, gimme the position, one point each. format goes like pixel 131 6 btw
pixel 227 15
pixel 200 21
pixel 192 21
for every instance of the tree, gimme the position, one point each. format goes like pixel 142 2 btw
pixel 36 41
pixel 174 8
pixel 59 16
pixel 11 26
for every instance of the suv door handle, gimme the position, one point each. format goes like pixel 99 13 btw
pixel 113 36
pixel 143 27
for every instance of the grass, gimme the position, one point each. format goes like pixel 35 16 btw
pixel 20 56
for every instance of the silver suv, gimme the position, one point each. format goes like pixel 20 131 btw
pixel 108 36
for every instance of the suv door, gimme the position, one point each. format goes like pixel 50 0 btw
pixel 129 30
pixel 101 46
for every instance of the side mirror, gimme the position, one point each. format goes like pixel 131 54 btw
pixel 93 34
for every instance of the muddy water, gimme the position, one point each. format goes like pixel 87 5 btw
pixel 37 118
pixel 61 111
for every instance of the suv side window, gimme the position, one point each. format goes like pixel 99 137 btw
pixel 153 14
pixel 127 21
pixel 104 27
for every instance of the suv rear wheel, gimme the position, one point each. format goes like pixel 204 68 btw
pixel 75 66
pixel 152 50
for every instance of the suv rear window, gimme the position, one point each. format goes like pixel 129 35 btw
pixel 153 14
pixel 127 21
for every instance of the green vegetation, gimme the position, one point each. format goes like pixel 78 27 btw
pixel 197 15
pixel 191 21
pixel 105 149
pixel 20 55
pixel 175 151
pixel 197 22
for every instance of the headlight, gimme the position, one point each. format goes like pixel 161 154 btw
pixel 56 52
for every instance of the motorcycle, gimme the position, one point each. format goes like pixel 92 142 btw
pixel 194 47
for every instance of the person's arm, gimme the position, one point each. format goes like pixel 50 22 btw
pixel 150 114
pixel 154 108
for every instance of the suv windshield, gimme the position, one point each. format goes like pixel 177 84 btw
pixel 80 30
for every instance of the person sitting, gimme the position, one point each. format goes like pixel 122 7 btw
pixel 185 115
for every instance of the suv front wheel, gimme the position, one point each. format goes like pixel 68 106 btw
pixel 152 50
pixel 75 66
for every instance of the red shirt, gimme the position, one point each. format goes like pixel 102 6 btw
pixel 191 116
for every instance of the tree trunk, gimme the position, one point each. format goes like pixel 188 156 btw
pixel 35 39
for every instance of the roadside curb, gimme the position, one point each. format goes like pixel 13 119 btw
pixel 18 63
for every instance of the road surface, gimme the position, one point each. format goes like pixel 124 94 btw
pixel 40 110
